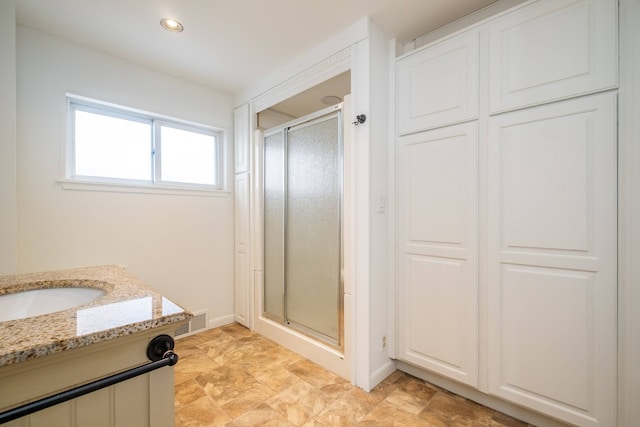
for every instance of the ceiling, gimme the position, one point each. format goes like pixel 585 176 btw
pixel 228 45
pixel 312 99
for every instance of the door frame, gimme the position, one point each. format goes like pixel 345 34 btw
pixel 329 113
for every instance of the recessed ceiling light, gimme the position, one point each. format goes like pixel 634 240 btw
pixel 330 99
pixel 171 25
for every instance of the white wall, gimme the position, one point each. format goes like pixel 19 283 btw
pixel 380 103
pixel 181 245
pixel 268 119
pixel 8 198
pixel 370 91
pixel 295 76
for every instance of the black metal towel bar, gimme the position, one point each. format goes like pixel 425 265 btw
pixel 159 350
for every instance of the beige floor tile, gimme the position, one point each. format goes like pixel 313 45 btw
pixel 202 412
pixel 350 408
pixel 250 399
pixel 231 376
pixel 187 392
pixel 337 389
pixel 412 396
pixel 312 373
pixel 276 377
pixel 279 356
pixel 387 414
pixel 237 331
pixel 224 384
pixel 299 403
pixel 451 410
pixel 263 415
pixel 192 366
pixel 501 420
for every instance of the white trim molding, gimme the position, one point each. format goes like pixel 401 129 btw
pixel 629 215
pixel 318 73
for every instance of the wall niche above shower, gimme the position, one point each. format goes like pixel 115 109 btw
pixel 327 93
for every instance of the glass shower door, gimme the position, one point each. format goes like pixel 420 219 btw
pixel 303 205
pixel 274 209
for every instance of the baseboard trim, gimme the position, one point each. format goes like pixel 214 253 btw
pixel 221 321
pixel 381 373
pixel 481 398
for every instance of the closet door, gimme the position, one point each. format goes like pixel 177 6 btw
pixel 242 256
pixel 241 130
pixel 552 258
pixel 438 259
pixel 438 86
pixel 242 218
pixel 551 50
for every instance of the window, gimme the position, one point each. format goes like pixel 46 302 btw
pixel 115 145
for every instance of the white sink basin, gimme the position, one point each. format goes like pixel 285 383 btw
pixel 24 304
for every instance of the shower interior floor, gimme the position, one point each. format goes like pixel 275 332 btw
pixel 234 377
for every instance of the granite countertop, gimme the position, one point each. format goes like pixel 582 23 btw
pixel 129 306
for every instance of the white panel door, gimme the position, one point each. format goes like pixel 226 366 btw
pixel 242 256
pixel 438 264
pixel 241 138
pixel 439 85
pixel 551 50
pixel 552 258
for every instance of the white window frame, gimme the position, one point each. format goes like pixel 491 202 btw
pixel 155 184
pixel 157 157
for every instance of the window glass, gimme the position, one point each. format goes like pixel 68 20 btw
pixel 187 157
pixel 127 147
pixel 112 147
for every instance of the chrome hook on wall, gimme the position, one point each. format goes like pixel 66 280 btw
pixel 360 118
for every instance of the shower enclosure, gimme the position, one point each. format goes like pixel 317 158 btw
pixel 302 202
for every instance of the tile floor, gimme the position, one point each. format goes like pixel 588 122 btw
pixel 230 376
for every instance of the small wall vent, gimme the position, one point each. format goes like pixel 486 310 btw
pixel 184 329
pixel 198 322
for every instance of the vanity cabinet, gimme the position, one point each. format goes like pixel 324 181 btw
pixel 146 400
pixel 506 222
